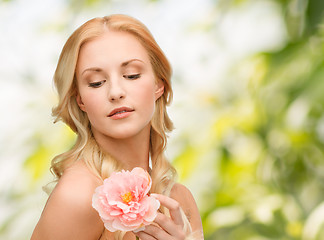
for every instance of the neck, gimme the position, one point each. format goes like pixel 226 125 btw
pixel 131 152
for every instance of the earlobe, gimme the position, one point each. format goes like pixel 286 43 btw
pixel 159 92
pixel 80 103
pixel 159 89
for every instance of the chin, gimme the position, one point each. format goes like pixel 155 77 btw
pixel 121 136
pixel 128 133
pixel 123 132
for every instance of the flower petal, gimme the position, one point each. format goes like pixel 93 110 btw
pixel 121 213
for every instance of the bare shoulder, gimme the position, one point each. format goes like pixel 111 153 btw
pixel 68 213
pixel 187 202
pixel 183 195
pixel 77 179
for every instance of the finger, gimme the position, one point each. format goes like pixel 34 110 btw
pixel 169 226
pixel 156 233
pixel 173 206
pixel 144 236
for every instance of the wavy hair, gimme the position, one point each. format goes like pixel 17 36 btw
pixel 68 111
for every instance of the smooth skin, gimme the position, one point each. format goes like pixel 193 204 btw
pixel 113 71
pixel 172 227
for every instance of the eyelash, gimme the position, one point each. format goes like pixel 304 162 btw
pixel 133 76
pixel 98 84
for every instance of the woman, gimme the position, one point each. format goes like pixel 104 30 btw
pixel 113 82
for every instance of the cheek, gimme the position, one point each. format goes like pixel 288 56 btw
pixel 90 101
pixel 146 94
pixel 148 100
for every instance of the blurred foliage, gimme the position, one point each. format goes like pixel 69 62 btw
pixel 264 146
pixel 35 164
pixel 78 5
pixel 269 135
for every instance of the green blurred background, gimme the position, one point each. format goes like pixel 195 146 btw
pixel 248 108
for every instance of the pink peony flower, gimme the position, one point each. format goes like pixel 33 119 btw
pixel 123 202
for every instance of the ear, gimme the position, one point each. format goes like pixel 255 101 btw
pixel 159 89
pixel 80 103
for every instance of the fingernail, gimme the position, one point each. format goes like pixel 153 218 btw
pixel 139 229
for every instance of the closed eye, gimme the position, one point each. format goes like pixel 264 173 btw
pixel 132 76
pixel 96 84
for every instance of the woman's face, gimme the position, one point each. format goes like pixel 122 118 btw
pixel 117 86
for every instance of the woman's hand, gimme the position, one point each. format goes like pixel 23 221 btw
pixel 166 228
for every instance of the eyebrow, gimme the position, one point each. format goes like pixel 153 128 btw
pixel 124 64
pixel 92 69
pixel 97 69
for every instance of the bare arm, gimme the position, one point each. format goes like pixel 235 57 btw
pixel 68 213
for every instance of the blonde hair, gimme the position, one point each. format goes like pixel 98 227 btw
pixel 68 111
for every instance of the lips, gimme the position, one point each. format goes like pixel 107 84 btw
pixel 120 110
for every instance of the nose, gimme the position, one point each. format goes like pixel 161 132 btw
pixel 116 90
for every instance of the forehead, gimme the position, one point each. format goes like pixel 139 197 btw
pixel 111 48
